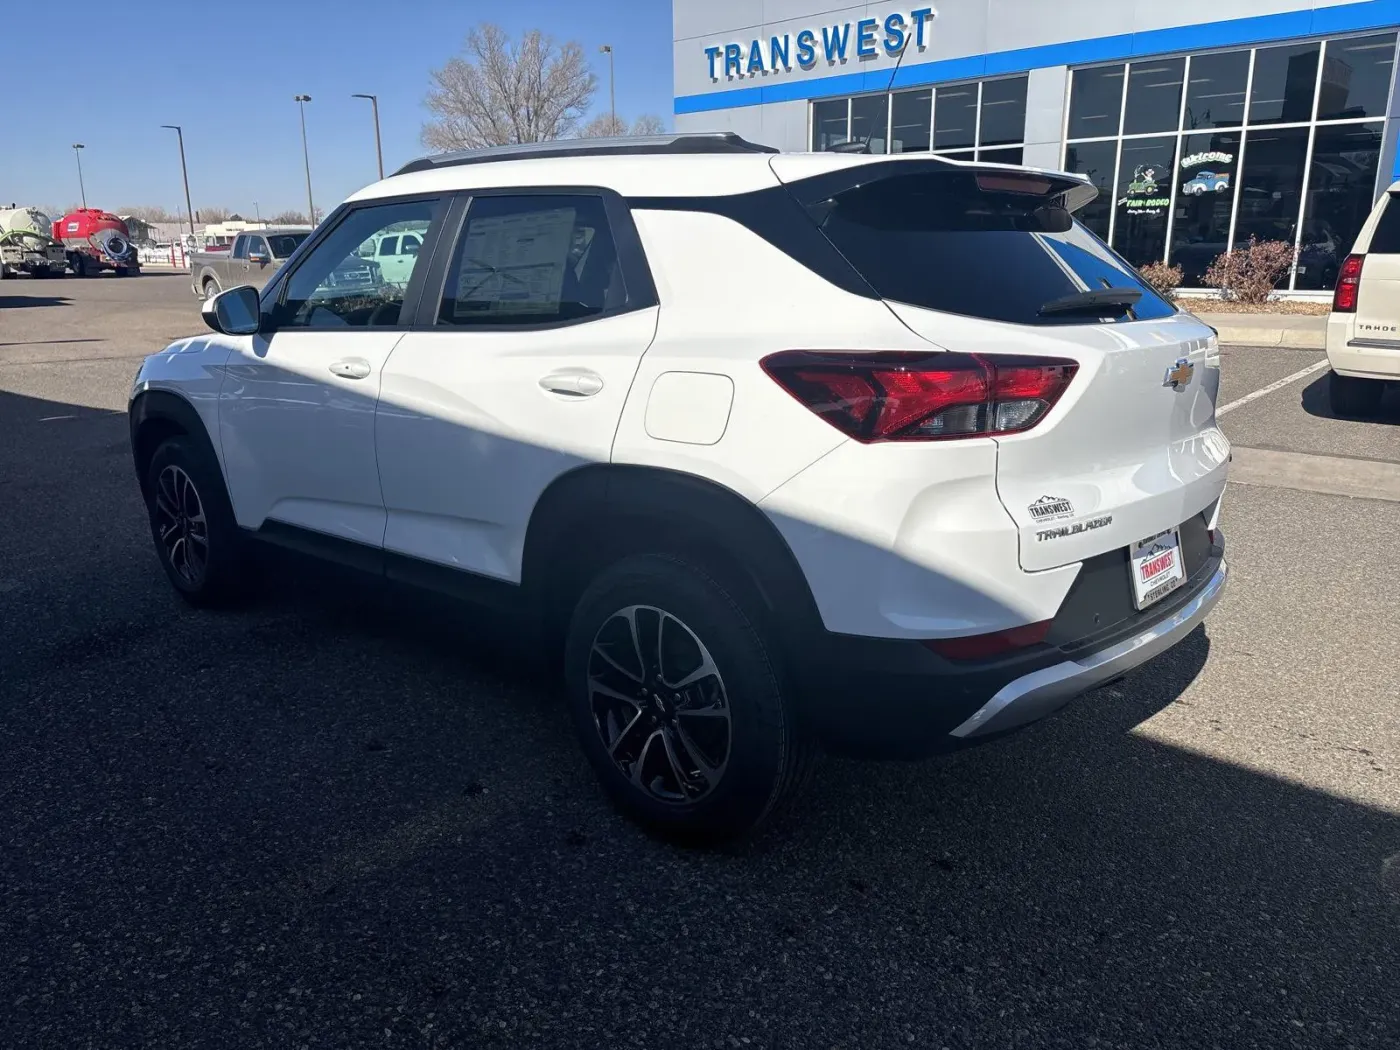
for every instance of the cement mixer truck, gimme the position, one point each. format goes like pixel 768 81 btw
pixel 26 244
pixel 96 240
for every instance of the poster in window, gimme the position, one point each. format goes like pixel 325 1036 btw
pixel 1143 199
pixel 514 264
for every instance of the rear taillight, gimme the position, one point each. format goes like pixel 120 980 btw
pixel 904 396
pixel 1348 285
pixel 985 646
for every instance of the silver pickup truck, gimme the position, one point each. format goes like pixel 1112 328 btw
pixel 254 257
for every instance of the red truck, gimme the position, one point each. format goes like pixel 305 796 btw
pixel 95 240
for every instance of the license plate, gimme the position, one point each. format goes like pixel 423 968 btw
pixel 1156 566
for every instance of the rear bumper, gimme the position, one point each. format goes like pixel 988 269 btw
pixel 1365 358
pixel 888 698
pixel 1040 693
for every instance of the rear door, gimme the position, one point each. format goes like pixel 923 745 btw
pixel 529 334
pixel 988 262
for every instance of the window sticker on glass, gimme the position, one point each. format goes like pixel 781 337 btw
pixel 514 264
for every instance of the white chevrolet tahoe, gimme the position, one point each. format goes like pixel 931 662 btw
pixel 1363 330
pixel 880 455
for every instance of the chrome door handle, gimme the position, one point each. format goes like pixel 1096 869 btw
pixel 573 383
pixel 350 368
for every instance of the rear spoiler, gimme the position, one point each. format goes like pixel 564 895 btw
pixel 1073 191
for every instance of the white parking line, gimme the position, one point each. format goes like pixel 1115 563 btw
pixel 1279 385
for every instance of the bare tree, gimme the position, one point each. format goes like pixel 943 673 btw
pixel 499 93
pixel 211 214
pixel 290 218
pixel 148 213
pixel 605 125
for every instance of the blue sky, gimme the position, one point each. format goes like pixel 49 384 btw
pixel 227 72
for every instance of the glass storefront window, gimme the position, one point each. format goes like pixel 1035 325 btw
pixel 829 124
pixel 1205 194
pixel 1143 198
pixel 1154 96
pixel 1215 94
pixel 1096 97
pixel 869 120
pixel 1356 77
pixel 955 117
pixel 1003 112
pixel 1096 160
pixel 1005 155
pixel 1271 186
pixel 1285 79
pixel 911 119
pixel 1340 191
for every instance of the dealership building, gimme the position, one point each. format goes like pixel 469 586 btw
pixel 1203 122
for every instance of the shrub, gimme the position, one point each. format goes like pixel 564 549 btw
pixel 1164 279
pixel 1250 273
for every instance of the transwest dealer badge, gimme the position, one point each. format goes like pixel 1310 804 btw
pixel 1048 508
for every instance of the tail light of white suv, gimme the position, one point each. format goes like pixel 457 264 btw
pixel 1348 285
pixel 914 396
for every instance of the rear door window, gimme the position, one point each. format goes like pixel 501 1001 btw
pixel 945 242
pixel 1386 239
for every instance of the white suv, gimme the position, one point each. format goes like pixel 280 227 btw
pixel 778 452
pixel 1363 330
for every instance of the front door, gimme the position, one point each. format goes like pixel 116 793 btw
pixel 516 374
pixel 298 403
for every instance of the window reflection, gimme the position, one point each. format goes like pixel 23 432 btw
pixel 1095 100
pixel 1356 77
pixel 1284 81
pixel 1096 160
pixel 1205 179
pixel 1340 188
pixel 1271 187
pixel 1154 96
pixel 829 126
pixel 911 118
pixel 1003 112
pixel 869 116
pixel 955 117
pixel 1215 94
pixel 1143 198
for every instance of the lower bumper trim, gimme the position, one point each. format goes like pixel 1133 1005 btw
pixel 1038 694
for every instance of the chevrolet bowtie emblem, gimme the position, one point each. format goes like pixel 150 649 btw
pixel 1179 374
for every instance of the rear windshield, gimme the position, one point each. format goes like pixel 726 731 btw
pixel 1386 239
pixel 942 242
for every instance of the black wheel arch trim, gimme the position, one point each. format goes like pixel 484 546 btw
pixel 691 507
pixel 173 413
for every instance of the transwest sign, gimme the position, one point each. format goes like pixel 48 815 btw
pixel 831 44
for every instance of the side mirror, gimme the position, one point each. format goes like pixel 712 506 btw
pixel 261 258
pixel 234 312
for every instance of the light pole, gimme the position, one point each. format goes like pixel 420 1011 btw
pixel 184 172
pixel 606 49
pixel 378 152
pixel 256 211
pixel 79 158
pixel 301 101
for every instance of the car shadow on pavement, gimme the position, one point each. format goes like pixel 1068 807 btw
pixel 21 302
pixel 1317 402
pixel 326 817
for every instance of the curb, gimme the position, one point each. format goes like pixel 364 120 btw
pixel 1292 338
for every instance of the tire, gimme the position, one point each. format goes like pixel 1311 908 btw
pixel 1353 397
pixel 211 288
pixel 698 778
pixel 79 266
pixel 122 271
pixel 178 470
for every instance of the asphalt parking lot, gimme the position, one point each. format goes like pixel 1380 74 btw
pixel 327 821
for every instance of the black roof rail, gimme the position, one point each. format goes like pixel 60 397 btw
pixel 630 146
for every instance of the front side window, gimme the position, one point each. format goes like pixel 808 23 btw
pixel 334 286
pixel 256 246
pixel 283 244
pixel 240 247
pixel 389 246
pixel 532 260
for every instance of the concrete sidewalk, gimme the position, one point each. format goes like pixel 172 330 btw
pixel 1299 331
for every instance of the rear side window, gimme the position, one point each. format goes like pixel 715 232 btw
pixel 533 260
pixel 1386 239
pixel 939 241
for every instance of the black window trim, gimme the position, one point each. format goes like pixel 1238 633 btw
pixel 274 293
pixel 637 279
